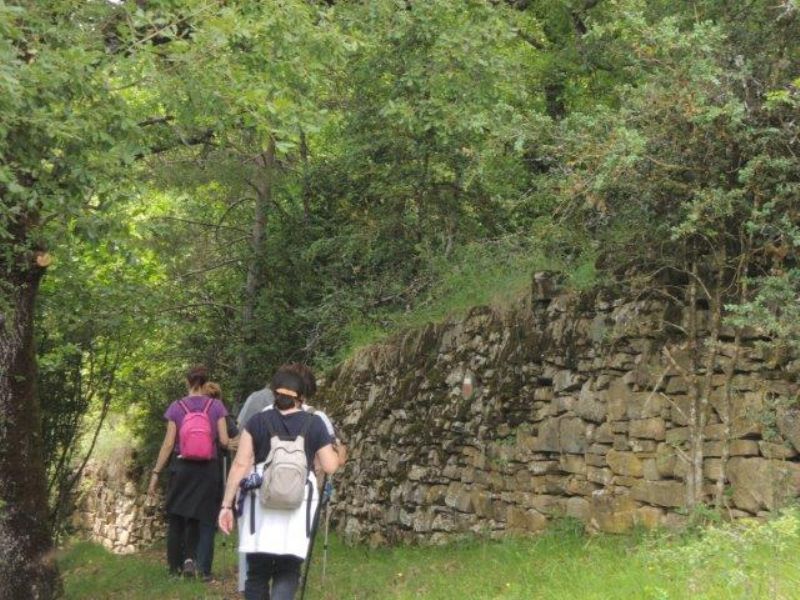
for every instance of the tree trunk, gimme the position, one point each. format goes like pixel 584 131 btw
pixel 695 434
pixel 27 565
pixel 255 271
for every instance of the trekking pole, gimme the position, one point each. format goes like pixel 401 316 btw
pixel 314 527
pixel 329 494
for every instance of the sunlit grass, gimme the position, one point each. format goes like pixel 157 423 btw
pixel 745 561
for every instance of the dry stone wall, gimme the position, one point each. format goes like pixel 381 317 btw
pixel 574 414
pixel 111 509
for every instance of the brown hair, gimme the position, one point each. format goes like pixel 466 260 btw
pixel 306 375
pixel 197 376
pixel 213 390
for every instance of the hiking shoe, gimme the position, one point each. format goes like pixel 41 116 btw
pixel 189 569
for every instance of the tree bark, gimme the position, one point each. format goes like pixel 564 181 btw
pixel 255 272
pixel 27 565
pixel 695 435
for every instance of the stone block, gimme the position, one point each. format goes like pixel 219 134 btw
pixel 641 446
pixel 524 519
pixel 442 522
pixel 573 463
pixel 620 426
pixel 551 506
pixel 744 448
pixel 468 475
pixel 759 483
pixel 713 448
pixel 617 396
pixel 604 434
pixel 746 410
pixel 677 435
pixel 596 460
pixel 566 381
pixel 602 476
pixel 578 485
pixel 650 469
pixel 679 409
pixel 625 463
pixel 653 428
pixel 436 494
pixel 643 405
pixel 548 439
pixel 788 421
pixel 712 469
pixel 543 467
pixel 649 517
pixel 572 432
pixel 620 362
pixel 562 404
pixel 482 503
pixel 611 513
pixel 620 443
pixel 660 493
pixel 625 481
pixel 590 405
pixel 665 460
pixel 600 449
pixel 578 508
pixel 675 522
pixel 716 431
pixel 422 521
pixel 772 450
pixel 677 384
pixel 496 481
pixel 417 473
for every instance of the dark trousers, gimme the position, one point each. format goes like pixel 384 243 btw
pixel 205 547
pixel 282 570
pixel 181 540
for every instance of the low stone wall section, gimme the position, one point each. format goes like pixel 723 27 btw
pixel 111 509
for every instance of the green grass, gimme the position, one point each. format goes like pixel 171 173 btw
pixel 91 572
pixel 745 561
pixel 493 273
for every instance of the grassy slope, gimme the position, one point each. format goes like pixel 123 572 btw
pixel 745 562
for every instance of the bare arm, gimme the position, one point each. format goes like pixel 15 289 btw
pixel 222 431
pixel 242 463
pixel 163 455
pixel 341 452
pixel 328 459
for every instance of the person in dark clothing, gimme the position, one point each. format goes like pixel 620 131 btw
pixel 194 488
pixel 207 530
pixel 276 540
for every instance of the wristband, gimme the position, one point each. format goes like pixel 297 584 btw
pixel 155 472
pixel 223 507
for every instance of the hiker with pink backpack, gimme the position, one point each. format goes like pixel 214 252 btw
pixel 195 425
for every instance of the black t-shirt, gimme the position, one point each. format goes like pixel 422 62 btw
pixel 290 425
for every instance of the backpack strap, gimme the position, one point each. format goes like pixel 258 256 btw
pixel 208 405
pixel 309 522
pixel 270 428
pixel 185 408
pixel 307 425
pixel 253 511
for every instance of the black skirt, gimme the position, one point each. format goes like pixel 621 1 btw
pixel 195 489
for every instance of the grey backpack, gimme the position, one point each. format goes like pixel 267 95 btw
pixel 285 476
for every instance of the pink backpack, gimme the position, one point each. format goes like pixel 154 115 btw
pixel 196 436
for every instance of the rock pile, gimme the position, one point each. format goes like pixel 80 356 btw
pixel 574 413
pixel 111 510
